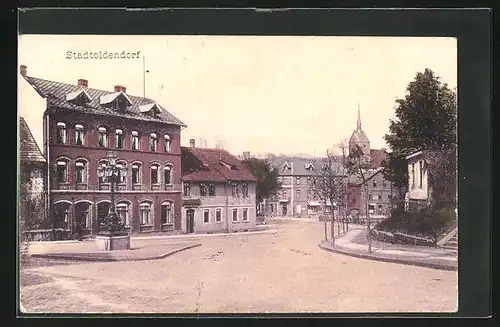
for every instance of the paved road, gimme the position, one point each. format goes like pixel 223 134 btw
pixel 282 272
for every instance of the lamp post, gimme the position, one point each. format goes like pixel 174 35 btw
pixel 112 173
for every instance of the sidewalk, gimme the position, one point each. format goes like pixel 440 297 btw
pixel 354 243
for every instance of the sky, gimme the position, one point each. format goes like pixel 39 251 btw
pixel 277 94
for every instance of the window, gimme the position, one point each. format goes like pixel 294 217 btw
pixel 61 133
pixel 235 190
pixel 371 208
pixel 168 174
pixel 154 174
pixel 379 209
pixel 203 189
pixel 374 196
pixel 135 140
pixel 81 177
pixel 187 189
pixel 218 215
pixel 284 194
pixel 384 184
pixel 308 180
pixel 244 187
pixel 412 175
pixel 374 183
pixel 102 179
pixel 235 215
pixel 211 189
pixel 166 213
pixel 145 213
pixel 245 214
pixel 153 142
pixel 298 194
pixel 122 179
pixel 119 139
pixel 167 143
pixel 79 135
pixel 103 137
pixel 298 180
pixel 206 216
pixel 421 172
pixel 308 194
pixel 122 209
pixel 62 171
pixel 136 174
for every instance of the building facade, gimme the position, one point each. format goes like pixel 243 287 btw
pixel 219 192
pixel 81 125
pixel 32 180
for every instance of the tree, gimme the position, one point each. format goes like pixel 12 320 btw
pixel 425 120
pixel 359 164
pixel 267 177
pixel 330 185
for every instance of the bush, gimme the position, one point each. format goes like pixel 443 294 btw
pixel 429 223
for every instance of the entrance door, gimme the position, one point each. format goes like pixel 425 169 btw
pixel 284 209
pixel 190 221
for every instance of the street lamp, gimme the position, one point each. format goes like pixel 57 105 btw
pixel 112 173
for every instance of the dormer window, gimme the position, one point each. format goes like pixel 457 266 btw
pixel 286 166
pixel 119 139
pixel 79 97
pixel 79 134
pixel 151 109
pixel 118 101
pixel 103 137
pixel 61 133
pixel 309 166
pixel 153 142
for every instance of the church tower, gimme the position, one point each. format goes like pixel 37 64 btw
pixel 359 137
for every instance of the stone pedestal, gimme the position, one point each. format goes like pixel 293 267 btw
pixel 110 243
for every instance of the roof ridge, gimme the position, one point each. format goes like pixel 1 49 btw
pixel 30 135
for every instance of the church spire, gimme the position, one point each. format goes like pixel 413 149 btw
pixel 359 120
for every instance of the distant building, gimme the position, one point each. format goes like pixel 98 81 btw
pixel 80 126
pixel 32 179
pixel 219 192
pixel 422 165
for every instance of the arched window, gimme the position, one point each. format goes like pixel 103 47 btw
pixel 81 171
pixel 167 171
pixel 119 139
pixel 62 137
pixel 167 143
pixel 155 174
pixel 136 173
pixel 135 140
pixel 102 179
pixel 62 170
pixel 103 137
pixel 145 213
pixel 166 213
pixel 123 211
pixel 79 134
pixel 153 142
pixel 122 179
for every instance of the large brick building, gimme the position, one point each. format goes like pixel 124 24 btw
pixel 80 126
pixel 219 192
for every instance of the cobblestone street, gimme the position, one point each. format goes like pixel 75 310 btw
pixel 274 272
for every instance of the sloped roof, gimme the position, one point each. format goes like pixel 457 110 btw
pixel 211 165
pixel 29 150
pixel 55 93
pixel 297 164
pixel 378 156
pixel 359 136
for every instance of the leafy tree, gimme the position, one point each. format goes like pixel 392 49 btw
pixel 425 120
pixel 267 177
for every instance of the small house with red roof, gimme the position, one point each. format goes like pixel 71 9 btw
pixel 219 192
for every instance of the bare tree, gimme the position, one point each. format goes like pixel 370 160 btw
pixel 330 185
pixel 359 164
pixel 219 143
pixel 203 143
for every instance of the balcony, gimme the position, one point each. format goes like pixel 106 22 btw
pixel 121 187
pixel 81 186
pixel 137 187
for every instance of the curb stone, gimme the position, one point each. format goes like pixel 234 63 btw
pixel 82 257
pixel 410 262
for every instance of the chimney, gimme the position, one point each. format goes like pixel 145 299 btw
pixel 24 70
pixel 123 89
pixel 83 82
pixel 118 88
pixel 191 143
